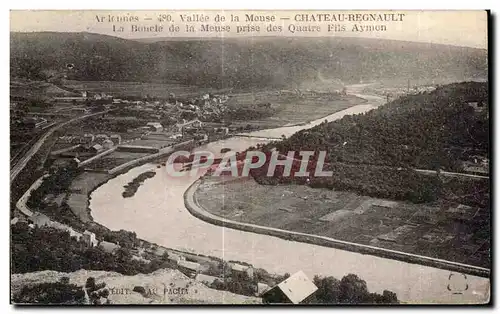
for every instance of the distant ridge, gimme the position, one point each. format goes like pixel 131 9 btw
pixel 227 37
pixel 270 62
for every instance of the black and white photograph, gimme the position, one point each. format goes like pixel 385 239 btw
pixel 246 157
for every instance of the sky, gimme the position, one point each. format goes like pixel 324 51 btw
pixel 460 28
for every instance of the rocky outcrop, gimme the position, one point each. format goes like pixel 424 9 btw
pixel 165 286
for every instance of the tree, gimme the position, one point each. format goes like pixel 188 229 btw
pixel 328 290
pixel 123 254
pixel 50 293
pixel 64 280
pixel 352 290
pixel 390 297
pixel 90 283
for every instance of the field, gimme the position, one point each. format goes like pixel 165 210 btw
pixel 290 107
pixel 80 189
pixel 450 232
pixel 113 160
pixel 156 143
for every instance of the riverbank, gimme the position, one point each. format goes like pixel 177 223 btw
pixel 196 210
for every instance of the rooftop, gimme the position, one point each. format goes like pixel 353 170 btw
pixel 297 287
pixel 189 265
pixel 238 267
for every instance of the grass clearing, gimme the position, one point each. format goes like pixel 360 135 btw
pixel 80 190
pixel 292 108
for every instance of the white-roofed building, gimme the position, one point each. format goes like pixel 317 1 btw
pixel 239 268
pixel 155 126
pixel 193 124
pixel 294 289
pixel 107 144
pixel 100 138
pixel 189 268
pixel 96 148
pixel 116 138
pixel 206 279
pixel 108 247
pixel 88 138
pixel 89 238
pixel 261 288
pixel 176 258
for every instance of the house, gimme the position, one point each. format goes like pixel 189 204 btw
pixel 107 144
pixel 140 259
pixel 160 251
pixel 191 124
pixel 261 288
pixel 176 258
pixel 39 122
pixel 155 126
pixel 76 140
pixel 88 138
pixel 79 110
pixel 222 130
pixel 241 269
pixel 108 247
pixel 294 289
pixel 175 136
pixel 116 138
pixel 478 106
pixel 189 268
pixel 100 138
pixel 477 165
pixel 89 238
pixel 97 148
pixel 201 138
pixel 206 279
pixel 41 220
pixel 75 162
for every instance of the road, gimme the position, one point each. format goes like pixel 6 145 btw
pixel 452 174
pixel 23 161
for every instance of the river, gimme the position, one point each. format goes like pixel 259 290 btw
pixel 157 214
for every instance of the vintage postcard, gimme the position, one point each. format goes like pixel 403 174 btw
pixel 249 157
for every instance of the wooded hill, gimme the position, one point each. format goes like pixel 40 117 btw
pixel 244 62
pixel 375 153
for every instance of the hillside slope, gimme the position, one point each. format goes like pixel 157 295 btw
pixel 376 153
pixel 434 130
pixel 244 62
pixel 195 293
